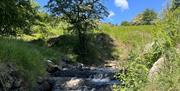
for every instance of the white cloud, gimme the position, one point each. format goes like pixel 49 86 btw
pixel 111 14
pixel 123 4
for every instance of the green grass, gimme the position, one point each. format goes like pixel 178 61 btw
pixel 128 38
pixel 130 35
pixel 29 58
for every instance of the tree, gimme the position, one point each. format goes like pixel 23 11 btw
pixel 125 23
pixel 82 15
pixel 16 15
pixel 147 17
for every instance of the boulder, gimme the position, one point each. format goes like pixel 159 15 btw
pixel 74 83
pixel 10 80
pixel 156 68
pixel 51 67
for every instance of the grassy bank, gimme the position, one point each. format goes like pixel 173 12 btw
pixel 127 38
pixel 29 58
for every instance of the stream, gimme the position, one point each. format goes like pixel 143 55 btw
pixel 78 78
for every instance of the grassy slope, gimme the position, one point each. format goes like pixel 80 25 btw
pixel 129 37
pixel 29 58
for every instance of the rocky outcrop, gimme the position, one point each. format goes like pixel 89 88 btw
pixel 10 80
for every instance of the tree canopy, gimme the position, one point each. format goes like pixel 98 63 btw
pixel 80 13
pixel 147 17
pixel 16 16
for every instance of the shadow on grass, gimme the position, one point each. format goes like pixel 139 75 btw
pixel 100 48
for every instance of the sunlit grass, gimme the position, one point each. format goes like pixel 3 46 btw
pixel 130 35
pixel 29 58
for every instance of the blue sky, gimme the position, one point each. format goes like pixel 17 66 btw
pixel 121 10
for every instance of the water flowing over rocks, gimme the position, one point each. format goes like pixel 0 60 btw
pixel 77 78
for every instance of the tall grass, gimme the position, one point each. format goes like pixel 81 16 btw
pixel 29 58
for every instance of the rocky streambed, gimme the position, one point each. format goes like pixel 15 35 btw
pixel 77 78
